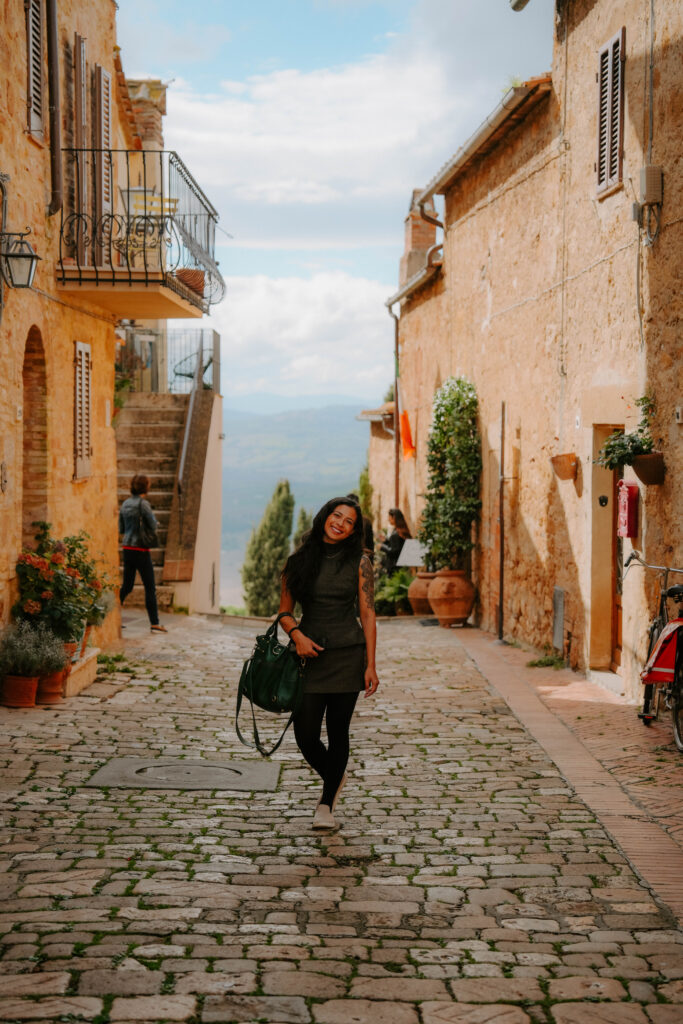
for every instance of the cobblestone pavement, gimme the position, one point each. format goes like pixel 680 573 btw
pixel 468 884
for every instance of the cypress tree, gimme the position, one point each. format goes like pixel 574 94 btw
pixel 304 522
pixel 267 553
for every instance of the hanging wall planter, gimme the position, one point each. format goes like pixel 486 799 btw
pixel 565 465
pixel 649 468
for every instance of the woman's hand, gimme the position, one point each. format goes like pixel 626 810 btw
pixel 371 681
pixel 305 647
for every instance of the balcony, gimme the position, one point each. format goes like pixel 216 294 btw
pixel 137 235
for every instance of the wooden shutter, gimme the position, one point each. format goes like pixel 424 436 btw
pixel 82 403
pixel 81 141
pixel 34 47
pixel 103 160
pixel 611 112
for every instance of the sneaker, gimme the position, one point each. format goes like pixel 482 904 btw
pixel 158 628
pixel 323 817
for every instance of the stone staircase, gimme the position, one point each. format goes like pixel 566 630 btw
pixel 149 434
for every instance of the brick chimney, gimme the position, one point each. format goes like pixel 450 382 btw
pixel 149 103
pixel 419 238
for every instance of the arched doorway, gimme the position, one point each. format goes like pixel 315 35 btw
pixel 34 478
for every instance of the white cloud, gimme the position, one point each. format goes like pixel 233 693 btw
pixel 327 333
pixel 321 135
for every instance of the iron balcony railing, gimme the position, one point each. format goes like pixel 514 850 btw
pixel 138 216
pixel 162 361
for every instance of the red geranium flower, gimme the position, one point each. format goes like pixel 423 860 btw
pixel 57 558
pixel 32 607
pixel 47 595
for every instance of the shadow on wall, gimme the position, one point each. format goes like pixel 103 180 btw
pixel 529 578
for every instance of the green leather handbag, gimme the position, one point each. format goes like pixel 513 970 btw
pixel 271 679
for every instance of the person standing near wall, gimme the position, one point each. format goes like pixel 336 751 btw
pixel 393 545
pixel 136 517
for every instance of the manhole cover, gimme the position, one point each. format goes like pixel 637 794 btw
pixel 184 773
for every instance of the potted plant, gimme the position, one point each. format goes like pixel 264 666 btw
pixel 635 449
pixel 59 585
pixel 391 593
pixel 54 669
pixel 452 499
pixel 26 651
pixel 418 593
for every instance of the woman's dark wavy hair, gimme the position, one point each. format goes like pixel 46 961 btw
pixel 303 566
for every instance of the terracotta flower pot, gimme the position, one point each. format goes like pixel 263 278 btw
pixel 50 687
pixel 84 644
pixel 19 691
pixel 650 468
pixel 451 594
pixel 70 649
pixel 417 593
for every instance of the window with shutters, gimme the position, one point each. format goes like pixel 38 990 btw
pixel 35 98
pixel 82 402
pixel 610 79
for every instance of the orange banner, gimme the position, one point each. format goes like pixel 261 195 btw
pixel 407 437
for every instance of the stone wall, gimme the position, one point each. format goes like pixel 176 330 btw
pixel 37 402
pixel 537 305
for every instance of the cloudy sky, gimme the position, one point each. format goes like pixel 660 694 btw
pixel 308 123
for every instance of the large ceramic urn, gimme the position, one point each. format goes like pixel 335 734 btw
pixel 451 594
pixel 417 593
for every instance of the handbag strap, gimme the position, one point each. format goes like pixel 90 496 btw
pixel 257 744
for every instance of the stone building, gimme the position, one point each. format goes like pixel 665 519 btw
pixel 549 281
pixel 121 233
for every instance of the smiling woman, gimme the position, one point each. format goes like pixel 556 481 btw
pixel 333 581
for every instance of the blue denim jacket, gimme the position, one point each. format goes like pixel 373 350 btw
pixel 128 520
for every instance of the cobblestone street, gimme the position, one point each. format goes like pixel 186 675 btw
pixel 475 878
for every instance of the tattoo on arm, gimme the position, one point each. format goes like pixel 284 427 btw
pixel 368 584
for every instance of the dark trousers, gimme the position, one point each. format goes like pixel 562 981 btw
pixel 328 761
pixel 140 561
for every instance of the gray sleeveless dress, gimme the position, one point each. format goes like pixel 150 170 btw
pixel 329 618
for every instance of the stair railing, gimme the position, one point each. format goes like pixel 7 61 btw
pixel 196 385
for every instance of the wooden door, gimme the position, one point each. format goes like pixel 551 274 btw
pixel 617 575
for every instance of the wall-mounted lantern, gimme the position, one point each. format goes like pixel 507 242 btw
pixel 18 259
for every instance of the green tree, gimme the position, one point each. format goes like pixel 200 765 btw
pixel 267 553
pixel 304 522
pixel 454 464
pixel 365 491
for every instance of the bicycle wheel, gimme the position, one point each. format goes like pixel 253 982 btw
pixel 677 703
pixel 651 700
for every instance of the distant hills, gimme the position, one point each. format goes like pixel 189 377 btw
pixel 321 451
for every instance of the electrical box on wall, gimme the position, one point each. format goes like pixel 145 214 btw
pixel 628 496
pixel 651 185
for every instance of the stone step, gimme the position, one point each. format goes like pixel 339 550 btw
pixel 148 433
pixel 162 483
pixel 141 414
pixel 160 500
pixel 149 400
pixel 158 569
pixel 136 598
pixel 146 463
pixel 158 447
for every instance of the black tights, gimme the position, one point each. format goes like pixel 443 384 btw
pixel 329 762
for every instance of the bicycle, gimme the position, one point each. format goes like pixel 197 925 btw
pixel 662 675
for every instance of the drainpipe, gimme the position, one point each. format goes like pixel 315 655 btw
pixel 55 109
pixel 397 431
pixel 427 216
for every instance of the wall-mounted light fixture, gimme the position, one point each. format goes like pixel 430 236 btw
pixel 18 259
